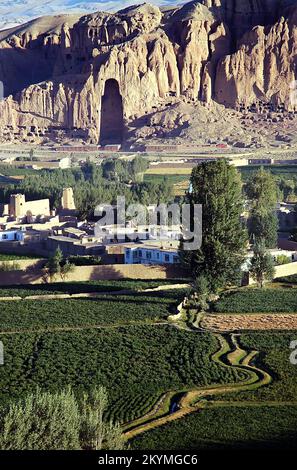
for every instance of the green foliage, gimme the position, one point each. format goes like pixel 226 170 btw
pixel 202 290
pixel 57 267
pixel 90 187
pixel 58 421
pixel 275 357
pixel 261 190
pixel 83 287
pixel 125 171
pixel 229 427
pixel 33 315
pixel 84 260
pixel 136 364
pixel 283 259
pixel 41 421
pixel 217 186
pixel 264 227
pixel 254 300
pixel 261 265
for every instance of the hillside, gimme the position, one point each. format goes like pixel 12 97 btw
pixel 164 73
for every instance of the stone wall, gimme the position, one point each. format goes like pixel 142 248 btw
pixel 280 271
pixel 26 264
pixel 97 273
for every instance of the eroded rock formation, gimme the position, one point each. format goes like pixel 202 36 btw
pixel 240 53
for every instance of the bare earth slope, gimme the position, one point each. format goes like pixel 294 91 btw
pixel 143 71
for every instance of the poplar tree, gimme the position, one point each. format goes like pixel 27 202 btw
pixel 262 192
pixel 217 187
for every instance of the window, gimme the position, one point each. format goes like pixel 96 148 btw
pixel 148 255
pixel 167 258
pixel 4 237
pixel 140 253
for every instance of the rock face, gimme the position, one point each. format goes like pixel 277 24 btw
pixel 78 76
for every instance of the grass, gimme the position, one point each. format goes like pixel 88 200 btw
pixel 286 171
pixel 137 364
pixel 231 427
pixel 275 358
pixel 159 178
pixel 254 300
pixel 33 315
pixel 82 287
pixel 170 170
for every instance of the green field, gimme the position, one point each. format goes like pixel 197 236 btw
pixel 83 287
pixel 160 178
pixel 33 315
pixel 231 427
pixel 136 364
pixel 285 171
pixel 124 342
pixel 253 300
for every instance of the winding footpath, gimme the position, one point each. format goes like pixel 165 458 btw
pixel 229 354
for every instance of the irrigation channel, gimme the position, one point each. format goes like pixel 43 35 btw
pixel 174 405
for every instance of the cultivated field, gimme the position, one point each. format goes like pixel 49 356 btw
pixel 164 382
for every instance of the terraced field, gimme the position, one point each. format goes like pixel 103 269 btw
pixel 161 379
pixel 253 300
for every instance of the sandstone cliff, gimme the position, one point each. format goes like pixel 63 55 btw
pixel 55 70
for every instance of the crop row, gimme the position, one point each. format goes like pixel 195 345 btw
pixel 252 300
pixel 33 315
pixel 129 361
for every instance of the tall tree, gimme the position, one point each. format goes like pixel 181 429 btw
pixel 262 192
pixel 217 187
pixel 261 265
pixel 42 421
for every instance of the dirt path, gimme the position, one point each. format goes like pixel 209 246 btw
pixel 229 355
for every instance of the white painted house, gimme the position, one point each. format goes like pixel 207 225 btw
pixel 150 254
pixel 11 236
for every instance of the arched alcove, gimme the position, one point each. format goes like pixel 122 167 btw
pixel 111 123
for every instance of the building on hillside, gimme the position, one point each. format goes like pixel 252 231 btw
pixel 145 253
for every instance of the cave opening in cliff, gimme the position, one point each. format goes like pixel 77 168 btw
pixel 112 123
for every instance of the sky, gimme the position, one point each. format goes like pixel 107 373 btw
pixel 19 11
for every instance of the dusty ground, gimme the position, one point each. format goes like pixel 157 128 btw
pixel 273 321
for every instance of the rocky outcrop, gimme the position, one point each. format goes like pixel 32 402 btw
pixel 262 70
pixel 55 69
